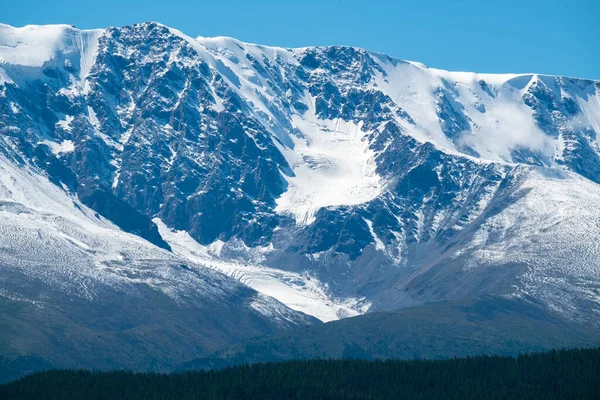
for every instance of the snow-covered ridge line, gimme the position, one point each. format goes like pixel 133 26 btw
pixel 494 120
pixel 33 45
pixel 54 31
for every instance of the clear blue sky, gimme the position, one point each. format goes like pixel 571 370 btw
pixel 552 36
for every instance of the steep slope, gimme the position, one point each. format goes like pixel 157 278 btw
pixel 357 180
pixel 76 291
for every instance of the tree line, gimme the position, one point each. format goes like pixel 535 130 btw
pixel 559 374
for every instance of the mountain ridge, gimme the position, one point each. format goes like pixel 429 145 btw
pixel 323 181
pixel 304 115
pixel 231 38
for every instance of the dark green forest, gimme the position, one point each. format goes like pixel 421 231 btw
pixel 562 374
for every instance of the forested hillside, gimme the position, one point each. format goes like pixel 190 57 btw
pixel 555 375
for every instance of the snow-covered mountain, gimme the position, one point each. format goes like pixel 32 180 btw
pixel 334 179
pixel 77 291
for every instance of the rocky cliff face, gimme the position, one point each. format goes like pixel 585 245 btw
pixel 386 182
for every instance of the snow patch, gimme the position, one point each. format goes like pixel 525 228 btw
pixel 506 124
pixel 66 146
pixel 65 124
pixel 36 46
pixel 31 45
pixel 74 241
pixel 4 78
pixel 332 166
pixel 300 292
pixel 379 246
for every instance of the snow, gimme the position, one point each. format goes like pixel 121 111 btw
pixel 65 124
pixel 507 124
pixel 30 48
pixel 331 160
pixel 556 211
pixel 87 43
pixel 412 88
pixel 503 123
pixel 31 45
pixel 66 146
pixel 300 292
pixel 75 241
pixel 590 104
pixel 379 246
pixel 469 77
pixel 51 237
pixel 332 166
pixel 92 117
pixel 48 235
pixel 4 78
